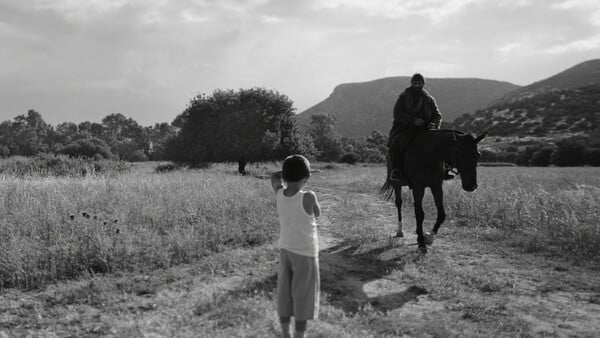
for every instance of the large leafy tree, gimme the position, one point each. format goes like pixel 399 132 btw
pixel 245 126
pixel 91 148
pixel 324 137
pixel 125 136
pixel 63 134
pixel 159 135
pixel 569 152
pixel 26 134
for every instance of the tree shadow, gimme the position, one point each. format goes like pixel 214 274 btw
pixel 353 276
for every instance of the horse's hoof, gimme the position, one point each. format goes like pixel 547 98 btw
pixel 423 249
pixel 399 234
pixel 428 238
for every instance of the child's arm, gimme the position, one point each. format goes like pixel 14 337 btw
pixel 311 203
pixel 276 181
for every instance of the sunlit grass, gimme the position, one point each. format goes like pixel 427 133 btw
pixel 539 209
pixel 56 228
pixel 216 220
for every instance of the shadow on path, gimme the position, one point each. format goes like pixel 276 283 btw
pixel 352 277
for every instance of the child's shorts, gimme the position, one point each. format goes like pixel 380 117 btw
pixel 298 286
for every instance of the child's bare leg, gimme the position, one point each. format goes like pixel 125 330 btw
pixel 300 327
pixel 285 327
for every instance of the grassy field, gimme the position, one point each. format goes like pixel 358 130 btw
pixel 540 209
pixel 191 253
pixel 57 228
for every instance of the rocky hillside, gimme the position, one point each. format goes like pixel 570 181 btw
pixel 583 74
pixel 559 112
pixel 565 104
pixel 360 108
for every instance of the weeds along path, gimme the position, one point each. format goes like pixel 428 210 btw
pixel 468 283
pixel 372 286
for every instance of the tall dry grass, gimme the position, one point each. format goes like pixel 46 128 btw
pixel 539 209
pixel 56 228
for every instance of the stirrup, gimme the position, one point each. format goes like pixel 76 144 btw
pixel 396 175
pixel 450 172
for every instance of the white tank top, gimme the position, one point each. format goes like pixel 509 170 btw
pixel 298 230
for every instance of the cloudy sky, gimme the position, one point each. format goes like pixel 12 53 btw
pixel 74 60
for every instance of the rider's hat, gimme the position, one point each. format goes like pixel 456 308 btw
pixel 417 77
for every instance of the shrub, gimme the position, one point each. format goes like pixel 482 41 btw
pixel 49 165
pixel 569 153
pixel 524 156
pixel 135 156
pixel 350 158
pixel 488 156
pixel 592 156
pixel 90 148
pixel 506 157
pixel 542 157
pixel 165 167
pixel 373 155
pixel 4 151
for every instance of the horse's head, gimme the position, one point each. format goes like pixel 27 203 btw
pixel 467 156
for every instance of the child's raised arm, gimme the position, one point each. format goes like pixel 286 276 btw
pixel 276 181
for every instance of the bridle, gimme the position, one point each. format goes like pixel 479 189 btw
pixel 455 155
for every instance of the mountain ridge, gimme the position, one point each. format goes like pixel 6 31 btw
pixel 560 105
pixel 362 107
pixel 580 75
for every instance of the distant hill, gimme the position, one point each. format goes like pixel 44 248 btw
pixel 360 108
pixel 563 105
pixel 580 75
pixel 558 112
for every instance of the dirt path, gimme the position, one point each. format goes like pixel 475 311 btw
pixel 467 285
pixel 463 278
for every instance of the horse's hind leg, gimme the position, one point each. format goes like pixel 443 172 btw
pixel 398 202
pixel 438 198
pixel 418 193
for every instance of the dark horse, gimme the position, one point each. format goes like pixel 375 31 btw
pixel 424 167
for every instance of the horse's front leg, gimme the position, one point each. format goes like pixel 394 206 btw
pixel 418 193
pixel 438 198
pixel 398 202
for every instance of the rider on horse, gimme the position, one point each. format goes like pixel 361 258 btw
pixel 415 111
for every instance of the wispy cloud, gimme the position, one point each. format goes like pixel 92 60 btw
pixel 588 9
pixel 159 53
pixel 270 19
pixel 588 44
pixel 439 68
pixel 435 10
pixel 508 48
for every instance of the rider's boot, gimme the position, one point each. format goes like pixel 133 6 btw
pixel 448 172
pixel 396 175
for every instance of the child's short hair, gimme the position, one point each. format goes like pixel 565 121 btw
pixel 295 168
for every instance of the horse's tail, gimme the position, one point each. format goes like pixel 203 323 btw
pixel 387 189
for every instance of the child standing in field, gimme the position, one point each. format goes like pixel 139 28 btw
pixel 298 273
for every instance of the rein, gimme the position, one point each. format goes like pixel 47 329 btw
pixel 454 155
